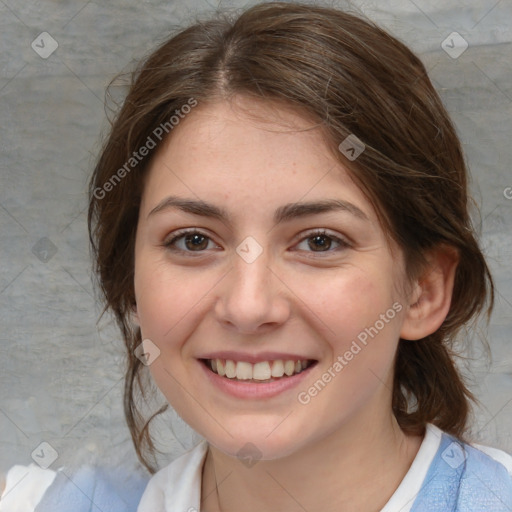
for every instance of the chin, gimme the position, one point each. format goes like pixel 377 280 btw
pixel 256 444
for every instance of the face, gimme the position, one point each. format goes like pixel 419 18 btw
pixel 258 257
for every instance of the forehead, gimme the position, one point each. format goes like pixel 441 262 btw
pixel 248 151
pixel 225 130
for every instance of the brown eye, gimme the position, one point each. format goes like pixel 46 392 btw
pixel 188 241
pixel 321 241
pixel 196 242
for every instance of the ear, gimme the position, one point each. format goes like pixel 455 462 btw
pixel 432 294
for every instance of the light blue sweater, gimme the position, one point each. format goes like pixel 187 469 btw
pixel 460 479
pixel 93 490
pixel 464 479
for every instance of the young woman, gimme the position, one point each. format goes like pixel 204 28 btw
pixel 280 225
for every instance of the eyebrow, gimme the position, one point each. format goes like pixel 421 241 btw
pixel 284 213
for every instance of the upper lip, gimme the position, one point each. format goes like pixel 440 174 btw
pixel 254 358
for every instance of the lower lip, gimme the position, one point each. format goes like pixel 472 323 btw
pixel 241 389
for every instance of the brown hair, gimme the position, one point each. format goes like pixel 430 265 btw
pixel 352 78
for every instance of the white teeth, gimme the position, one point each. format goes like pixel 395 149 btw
pixel 277 368
pixel 243 370
pixel 263 371
pixel 230 369
pixel 289 367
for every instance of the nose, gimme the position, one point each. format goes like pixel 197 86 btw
pixel 252 298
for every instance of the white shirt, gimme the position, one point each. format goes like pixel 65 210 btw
pixel 177 487
pixel 24 488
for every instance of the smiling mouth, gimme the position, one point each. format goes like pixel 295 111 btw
pixel 262 372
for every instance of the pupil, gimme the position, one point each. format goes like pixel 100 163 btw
pixel 321 241
pixel 191 242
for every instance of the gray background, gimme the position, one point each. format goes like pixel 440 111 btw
pixel 60 372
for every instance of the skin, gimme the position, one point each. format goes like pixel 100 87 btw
pixel 294 298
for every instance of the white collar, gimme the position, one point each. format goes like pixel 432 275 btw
pixel 403 498
pixel 177 487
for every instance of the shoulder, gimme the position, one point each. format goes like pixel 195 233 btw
pixel 33 489
pixel 177 485
pixel 487 478
pixel 24 486
pixel 499 456
pixel 464 477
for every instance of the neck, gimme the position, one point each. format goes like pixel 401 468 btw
pixel 357 467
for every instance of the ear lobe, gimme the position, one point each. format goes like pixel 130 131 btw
pixel 432 295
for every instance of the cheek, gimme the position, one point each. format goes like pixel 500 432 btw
pixel 168 299
pixel 355 311
pixel 347 301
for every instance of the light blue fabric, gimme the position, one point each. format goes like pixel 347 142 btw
pixel 93 489
pixel 464 479
pixel 460 479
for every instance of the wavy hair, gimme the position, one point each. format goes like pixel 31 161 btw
pixel 352 77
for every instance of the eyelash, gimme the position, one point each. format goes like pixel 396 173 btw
pixel 183 233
